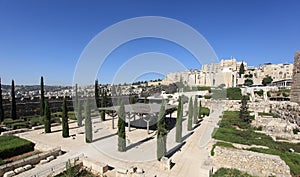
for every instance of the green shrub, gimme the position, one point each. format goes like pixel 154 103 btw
pixel 202 88
pixel 234 93
pixel 11 146
pixel 219 143
pixel 207 96
pixel 19 125
pixel 219 94
pixel 204 111
pixel 295 130
pixel 229 172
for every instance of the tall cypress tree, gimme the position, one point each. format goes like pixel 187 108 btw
pixel 42 98
pixel 103 103
pixel 161 133
pixel 190 115
pixel 47 118
pixel 242 69
pixel 13 101
pixel 65 124
pixel 97 94
pixel 88 123
pixel 179 122
pixel 196 111
pixel 244 113
pixel 1 104
pixel 79 114
pixel 121 128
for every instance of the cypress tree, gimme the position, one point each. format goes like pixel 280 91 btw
pixel 97 93
pixel 79 113
pixel 88 123
pixel 199 112
pixel 1 104
pixel 161 133
pixel 42 98
pixel 196 111
pixel 179 122
pixel 121 128
pixel 103 103
pixel 47 118
pixel 242 69
pixel 244 113
pixel 13 101
pixel 190 115
pixel 75 105
pixel 65 124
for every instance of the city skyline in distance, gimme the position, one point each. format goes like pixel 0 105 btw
pixel 47 38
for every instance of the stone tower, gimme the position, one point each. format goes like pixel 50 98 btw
pixel 295 91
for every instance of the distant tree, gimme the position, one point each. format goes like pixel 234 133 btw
pixel 75 103
pixel 121 128
pixel 97 94
pixel 267 80
pixel 65 124
pixel 88 123
pixel 248 82
pixel 244 113
pixel 242 69
pixel 1 104
pixel 195 111
pixel 47 118
pixel 132 99
pixel 13 101
pixel 79 114
pixel 42 97
pixel 161 133
pixel 190 115
pixel 179 122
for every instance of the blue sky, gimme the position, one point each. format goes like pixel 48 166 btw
pixel 47 37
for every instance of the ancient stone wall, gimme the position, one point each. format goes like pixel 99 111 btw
pixel 295 91
pixel 254 163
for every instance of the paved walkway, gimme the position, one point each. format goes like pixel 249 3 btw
pixel 192 161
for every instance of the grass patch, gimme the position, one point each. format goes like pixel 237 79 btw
pixel 228 132
pixel 268 114
pixel 219 143
pixel 11 146
pixel 229 172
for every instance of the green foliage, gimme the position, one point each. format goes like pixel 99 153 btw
pixel 267 80
pixel 79 113
pixel 196 111
pixel 121 128
pixel 295 131
pixel 179 122
pixel 97 94
pixel 234 93
pixel 88 123
pixel 229 172
pixel 241 69
pixel 203 88
pixel 285 94
pixel 220 143
pixel 13 101
pixel 71 169
pixel 42 98
pixel 260 92
pixel 268 114
pixel 207 96
pixel 190 115
pixel 132 100
pixel 12 146
pixel 218 94
pixel 47 118
pixel 204 111
pixel 269 94
pixel 1 104
pixel 161 133
pixel 65 124
pixel 103 103
pixel 244 113
pixel 248 82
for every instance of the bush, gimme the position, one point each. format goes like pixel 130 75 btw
pixel 202 88
pixel 295 131
pixel 228 172
pixel 207 96
pixel 11 146
pixel 204 111
pixel 234 93
pixel 260 92
pixel 19 125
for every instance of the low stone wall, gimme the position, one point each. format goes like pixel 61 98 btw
pixel 257 164
pixel 32 160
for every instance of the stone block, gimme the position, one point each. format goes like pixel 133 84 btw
pixel 27 167
pixel 9 174
pixel 50 158
pixel 121 171
pixel 19 170
pixel 139 171
pixel 43 161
